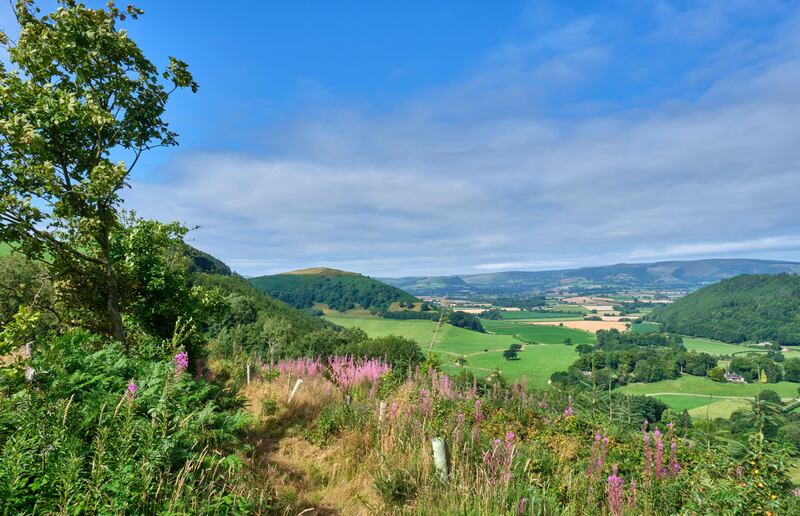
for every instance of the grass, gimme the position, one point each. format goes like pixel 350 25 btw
pixel 719 408
pixel 536 316
pixel 539 333
pixel 418 330
pixel 645 327
pixel 5 249
pixel 680 403
pixel 698 385
pixel 712 347
pixel 484 351
pixel 536 362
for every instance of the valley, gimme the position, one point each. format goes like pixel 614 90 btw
pixel 547 336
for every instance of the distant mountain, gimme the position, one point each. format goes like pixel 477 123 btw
pixel 340 290
pixel 688 275
pixel 745 308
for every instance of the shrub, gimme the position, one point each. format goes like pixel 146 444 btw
pixel 396 487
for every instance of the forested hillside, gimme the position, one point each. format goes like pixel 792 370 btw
pixel 339 290
pixel 745 308
pixel 690 274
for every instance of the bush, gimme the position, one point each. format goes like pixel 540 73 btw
pixel 99 431
pixel 396 487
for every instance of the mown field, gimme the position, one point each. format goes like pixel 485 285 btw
pixel 539 334
pixel 645 327
pixel 701 386
pixel 713 347
pixel 483 352
pixel 704 398
pixel 537 316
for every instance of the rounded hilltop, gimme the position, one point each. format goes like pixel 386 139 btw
pixel 319 271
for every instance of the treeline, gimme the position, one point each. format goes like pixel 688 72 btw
pixel 465 320
pixel 410 314
pixel 622 358
pixel 745 308
pixel 769 367
pixel 340 292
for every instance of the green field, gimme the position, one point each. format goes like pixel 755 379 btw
pixel 645 327
pixel 712 347
pixel 536 316
pixel 484 351
pixel 536 362
pixel 694 393
pixel 680 403
pixel 698 385
pixel 539 333
pixel 719 408
pixel 414 329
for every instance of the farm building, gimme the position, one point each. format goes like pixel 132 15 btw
pixel 733 377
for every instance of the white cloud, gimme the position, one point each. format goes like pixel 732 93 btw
pixel 477 177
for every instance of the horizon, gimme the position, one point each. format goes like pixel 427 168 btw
pixel 302 269
pixel 463 138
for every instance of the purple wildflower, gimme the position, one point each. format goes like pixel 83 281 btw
pixel 522 504
pixel 132 388
pixel 499 459
pixel 181 362
pixel 616 492
pixel 570 410
pixel 478 412
pixel 632 494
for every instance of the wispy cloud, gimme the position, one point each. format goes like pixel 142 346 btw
pixel 521 165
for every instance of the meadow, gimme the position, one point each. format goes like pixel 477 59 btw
pixel 700 386
pixel 539 333
pixel 536 316
pixel 645 327
pixel 483 352
pixel 705 398
pixel 714 347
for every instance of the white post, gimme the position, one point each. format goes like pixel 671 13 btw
pixel 381 412
pixel 440 458
pixel 248 373
pixel 294 391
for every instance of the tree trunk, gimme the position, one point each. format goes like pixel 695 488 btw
pixel 112 287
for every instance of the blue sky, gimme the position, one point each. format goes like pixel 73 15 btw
pixel 457 137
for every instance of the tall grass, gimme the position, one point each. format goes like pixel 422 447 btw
pixel 510 451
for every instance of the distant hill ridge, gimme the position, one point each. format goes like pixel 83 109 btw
pixel 756 307
pixel 687 274
pixel 320 271
pixel 340 290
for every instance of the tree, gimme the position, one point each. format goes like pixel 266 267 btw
pixel 769 396
pixel 568 341
pixel 791 370
pixel 510 354
pixel 82 91
pixel 717 374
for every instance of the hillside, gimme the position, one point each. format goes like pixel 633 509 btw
pixel 745 308
pixel 670 274
pixel 340 290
